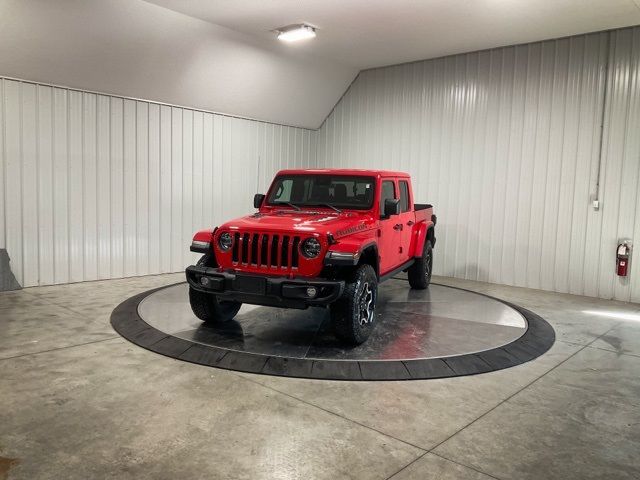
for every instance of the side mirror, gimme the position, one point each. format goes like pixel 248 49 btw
pixel 391 207
pixel 258 198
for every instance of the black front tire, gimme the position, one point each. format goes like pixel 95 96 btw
pixel 208 308
pixel 353 314
pixel 420 272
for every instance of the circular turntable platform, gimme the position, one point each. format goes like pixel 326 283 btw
pixel 435 333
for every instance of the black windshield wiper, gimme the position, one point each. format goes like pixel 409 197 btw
pixel 327 205
pixel 293 205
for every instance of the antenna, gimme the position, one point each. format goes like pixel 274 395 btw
pixel 258 177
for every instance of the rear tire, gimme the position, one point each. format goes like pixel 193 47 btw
pixel 353 314
pixel 420 272
pixel 206 306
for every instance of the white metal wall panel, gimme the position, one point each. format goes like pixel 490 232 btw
pixel 506 143
pixel 2 169
pixel 129 185
pixel 165 189
pixel 621 164
pixel 76 190
pixel 96 186
pixel 89 185
pixel 142 188
pixel 103 185
pixel 154 233
pixel 13 176
pixel 60 189
pixel 30 252
pixel 45 184
pixel 117 186
pixel 632 157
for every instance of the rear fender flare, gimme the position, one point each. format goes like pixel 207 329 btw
pixel 421 236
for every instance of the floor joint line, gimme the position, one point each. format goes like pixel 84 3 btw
pixel 407 465
pixel 464 465
pixel 60 348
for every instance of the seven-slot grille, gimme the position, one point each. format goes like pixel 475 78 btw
pixel 266 250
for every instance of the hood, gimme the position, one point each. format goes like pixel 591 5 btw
pixel 310 222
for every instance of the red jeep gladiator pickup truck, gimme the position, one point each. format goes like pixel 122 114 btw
pixel 319 238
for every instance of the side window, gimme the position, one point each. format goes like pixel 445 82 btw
pixel 404 196
pixel 388 190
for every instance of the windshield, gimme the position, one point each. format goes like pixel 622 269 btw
pixel 338 191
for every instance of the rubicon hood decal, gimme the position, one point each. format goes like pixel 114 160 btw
pixel 351 229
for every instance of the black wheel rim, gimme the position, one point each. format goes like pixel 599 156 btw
pixel 366 305
pixel 428 265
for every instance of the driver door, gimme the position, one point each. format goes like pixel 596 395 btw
pixel 390 240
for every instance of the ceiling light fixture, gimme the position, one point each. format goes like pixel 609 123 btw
pixel 293 33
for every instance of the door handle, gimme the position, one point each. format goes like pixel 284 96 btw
pixel 397 226
pixel 410 223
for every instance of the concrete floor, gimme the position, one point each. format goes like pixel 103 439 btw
pixel 78 401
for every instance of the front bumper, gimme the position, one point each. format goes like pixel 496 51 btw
pixel 263 290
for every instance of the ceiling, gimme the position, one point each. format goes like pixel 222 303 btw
pixel 223 56
pixel 138 49
pixel 373 33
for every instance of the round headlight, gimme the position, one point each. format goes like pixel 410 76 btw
pixel 310 248
pixel 225 241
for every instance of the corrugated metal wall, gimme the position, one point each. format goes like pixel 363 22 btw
pixel 96 186
pixel 506 144
pixel 620 178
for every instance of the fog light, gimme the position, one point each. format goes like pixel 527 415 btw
pixel 204 281
pixel 312 292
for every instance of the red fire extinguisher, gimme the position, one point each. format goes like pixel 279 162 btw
pixel 622 258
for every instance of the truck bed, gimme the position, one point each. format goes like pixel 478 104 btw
pixel 423 212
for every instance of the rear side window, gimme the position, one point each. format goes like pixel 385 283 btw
pixel 404 196
pixel 388 191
